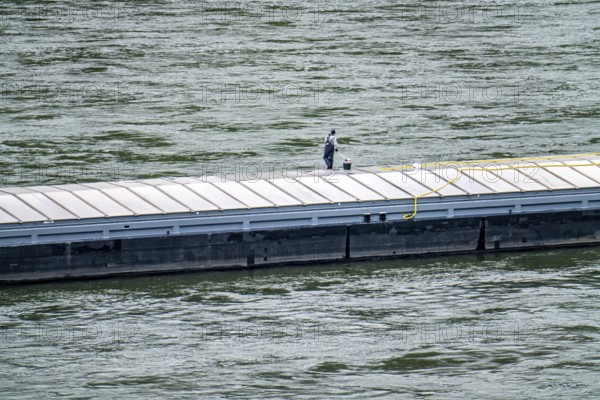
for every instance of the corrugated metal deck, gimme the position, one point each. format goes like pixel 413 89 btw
pixel 181 205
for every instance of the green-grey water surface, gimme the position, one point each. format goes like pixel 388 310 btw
pixel 112 90
pixel 496 327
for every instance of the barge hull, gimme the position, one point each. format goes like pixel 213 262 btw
pixel 228 250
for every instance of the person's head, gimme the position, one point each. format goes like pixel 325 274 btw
pixel 332 132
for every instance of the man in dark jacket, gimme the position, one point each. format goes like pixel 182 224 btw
pixel 330 146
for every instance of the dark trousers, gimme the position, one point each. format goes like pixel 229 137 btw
pixel 328 155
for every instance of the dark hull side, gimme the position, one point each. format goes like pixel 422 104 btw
pixel 250 249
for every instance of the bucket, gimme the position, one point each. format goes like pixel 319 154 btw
pixel 347 164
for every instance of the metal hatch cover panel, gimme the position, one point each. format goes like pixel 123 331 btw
pixel 126 198
pixel 487 177
pixel 271 192
pixel 382 186
pixel 355 188
pixel 548 179
pixel 574 177
pixel 68 201
pixel 12 205
pixel 530 172
pixel 520 180
pixel 299 191
pixel 40 203
pixel 440 184
pixel 590 170
pixel 155 197
pixel 215 196
pixel 184 180
pixel 6 218
pixel 187 197
pixel 17 190
pixel 464 181
pixel 404 182
pixel 243 194
pixel 326 189
pixel 98 200
pixel 46 206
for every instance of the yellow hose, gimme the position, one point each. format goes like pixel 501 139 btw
pixel 505 167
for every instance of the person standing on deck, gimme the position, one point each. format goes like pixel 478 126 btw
pixel 330 146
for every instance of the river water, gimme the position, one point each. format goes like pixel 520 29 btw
pixel 114 90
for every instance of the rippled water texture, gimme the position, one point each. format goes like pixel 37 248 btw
pixel 504 326
pixel 173 88
pixel 167 87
